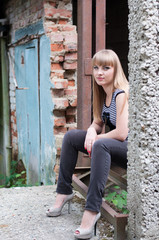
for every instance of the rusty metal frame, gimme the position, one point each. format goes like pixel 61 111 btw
pixel 119 221
pixel 100 24
pixel 84 54
pixel 85 51
pixel 84 72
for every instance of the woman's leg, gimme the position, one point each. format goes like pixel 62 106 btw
pixel 72 143
pixel 103 152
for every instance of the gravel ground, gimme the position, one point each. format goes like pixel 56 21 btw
pixel 22 216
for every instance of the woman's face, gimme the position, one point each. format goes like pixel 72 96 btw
pixel 103 75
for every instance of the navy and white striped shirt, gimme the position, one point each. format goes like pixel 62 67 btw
pixel 109 113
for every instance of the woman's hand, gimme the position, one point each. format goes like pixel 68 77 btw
pixel 91 136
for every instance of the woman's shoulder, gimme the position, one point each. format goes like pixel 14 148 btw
pixel 118 91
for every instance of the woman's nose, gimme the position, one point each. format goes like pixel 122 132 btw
pixel 100 71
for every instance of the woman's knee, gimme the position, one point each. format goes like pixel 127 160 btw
pixel 75 135
pixel 100 144
pixel 70 134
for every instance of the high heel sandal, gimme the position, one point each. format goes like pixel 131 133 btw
pixel 87 233
pixel 54 212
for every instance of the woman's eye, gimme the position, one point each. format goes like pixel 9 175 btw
pixel 95 68
pixel 106 68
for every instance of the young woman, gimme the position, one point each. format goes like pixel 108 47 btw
pixel 110 106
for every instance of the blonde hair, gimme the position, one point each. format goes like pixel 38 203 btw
pixel 107 57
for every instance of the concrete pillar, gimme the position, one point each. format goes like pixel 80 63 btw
pixel 143 148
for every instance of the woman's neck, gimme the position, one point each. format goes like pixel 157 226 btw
pixel 108 90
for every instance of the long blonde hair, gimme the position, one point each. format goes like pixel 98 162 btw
pixel 107 57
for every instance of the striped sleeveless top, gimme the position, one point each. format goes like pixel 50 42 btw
pixel 109 113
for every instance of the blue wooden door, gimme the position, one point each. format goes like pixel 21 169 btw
pixel 27 109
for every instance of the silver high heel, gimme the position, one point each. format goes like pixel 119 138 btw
pixel 87 233
pixel 54 212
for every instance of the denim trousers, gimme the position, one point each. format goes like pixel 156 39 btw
pixel 104 151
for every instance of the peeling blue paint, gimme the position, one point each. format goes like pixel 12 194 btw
pixel 36 28
pixel 34 106
pixel 48 150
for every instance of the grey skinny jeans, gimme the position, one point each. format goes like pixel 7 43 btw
pixel 103 152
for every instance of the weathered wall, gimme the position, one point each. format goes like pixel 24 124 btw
pixel 56 16
pixel 63 38
pixel 143 151
pixel 19 14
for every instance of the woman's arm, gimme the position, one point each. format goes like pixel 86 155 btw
pixel 121 130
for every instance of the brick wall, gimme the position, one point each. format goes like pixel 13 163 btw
pixel 22 13
pixel 63 38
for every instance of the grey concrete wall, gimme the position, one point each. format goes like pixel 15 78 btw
pixel 143 148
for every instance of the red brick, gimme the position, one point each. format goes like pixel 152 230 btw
pixel 70 119
pixel 68 28
pixel 71 111
pixel 57 74
pixel 60 83
pixel 59 121
pixel 57 47
pixel 62 21
pixel 71 66
pixel 60 130
pixel 71 56
pixel 60 103
pixel 51 28
pixel 71 38
pixel 56 66
pixel 70 91
pixel 71 47
pixel 71 83
pixel 50 12
pixel 57 93
pixel 57 59
pixel 73 102
pixel 56 38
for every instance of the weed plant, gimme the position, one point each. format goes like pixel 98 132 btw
pixel 15 179
pixel 118 198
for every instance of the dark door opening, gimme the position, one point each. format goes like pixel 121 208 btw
pixel 117 30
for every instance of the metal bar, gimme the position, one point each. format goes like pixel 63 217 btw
pixel 83 74
pixel 100 24
pixel 84 52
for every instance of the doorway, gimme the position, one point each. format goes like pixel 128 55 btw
pixel 34 105
pixel 101 24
